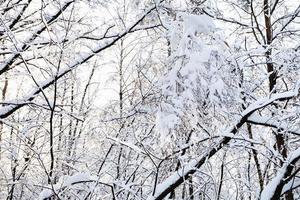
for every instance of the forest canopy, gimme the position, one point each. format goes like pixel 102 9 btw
pixel 150 99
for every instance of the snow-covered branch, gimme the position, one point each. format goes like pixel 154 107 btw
pixel 8 110
pixel 26 44
pixel 273 189
pixel 172 182
pixel 269 122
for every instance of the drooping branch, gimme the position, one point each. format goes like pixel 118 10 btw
pixel 178 177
